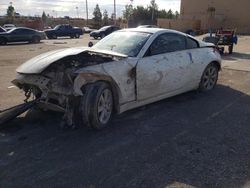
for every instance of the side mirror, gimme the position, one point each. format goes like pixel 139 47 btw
pixel 90 44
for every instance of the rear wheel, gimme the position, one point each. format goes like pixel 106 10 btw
pixel 36 39
pixel 209 77
pixel 77 35
pixel 3 41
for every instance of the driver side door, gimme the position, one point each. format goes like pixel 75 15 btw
pixel 165 68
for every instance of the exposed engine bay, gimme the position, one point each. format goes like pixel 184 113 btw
pixel 54 86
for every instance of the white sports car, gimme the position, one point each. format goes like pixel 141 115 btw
pixel 127 69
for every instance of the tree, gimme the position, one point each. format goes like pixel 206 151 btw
pixel 10 11
pixel 170 14
pixel 177 15
pixel 97 16
pixel 44 17
pixel 105 20
pixel 128 12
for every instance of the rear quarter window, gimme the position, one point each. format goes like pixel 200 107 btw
pixel 191 43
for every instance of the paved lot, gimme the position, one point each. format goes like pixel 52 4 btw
pixel 192 140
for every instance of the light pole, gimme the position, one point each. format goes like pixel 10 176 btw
pixel 54 12
pixel 153 9
pixel 87 12
pixel 114 13
pixel 77 13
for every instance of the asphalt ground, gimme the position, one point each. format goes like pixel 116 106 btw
pixel 191 140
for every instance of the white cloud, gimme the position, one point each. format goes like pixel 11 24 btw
pixel 68 7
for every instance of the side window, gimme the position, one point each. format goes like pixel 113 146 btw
pixel 26 31
pixel 191 43
pixel 169 42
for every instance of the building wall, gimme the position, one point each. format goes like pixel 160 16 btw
pixel 227 13
pixel 179 24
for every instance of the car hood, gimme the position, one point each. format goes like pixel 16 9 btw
pixel 39 63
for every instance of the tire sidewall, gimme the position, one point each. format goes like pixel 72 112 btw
pixel 3 41
pixel 201 86
pixel 36 39
pixel 94 119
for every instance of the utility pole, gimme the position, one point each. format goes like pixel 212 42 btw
pixel 114 13
pixel 77 13
pixel 153 9
pixel 87 12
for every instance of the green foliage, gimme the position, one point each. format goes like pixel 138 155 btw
pixel 128 12
pixel 44 17
pixel 97 16
pixel 105 20
pixel 10 11
pixel 150 13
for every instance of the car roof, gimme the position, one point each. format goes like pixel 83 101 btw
pixel 153 30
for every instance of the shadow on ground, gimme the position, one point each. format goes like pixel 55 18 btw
pixel 196 139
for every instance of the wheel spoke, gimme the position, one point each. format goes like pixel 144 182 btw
pixel 105 106
pixel 100 108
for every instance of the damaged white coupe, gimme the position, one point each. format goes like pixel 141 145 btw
pixel 127 69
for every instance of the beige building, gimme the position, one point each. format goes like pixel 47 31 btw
pixel 218 13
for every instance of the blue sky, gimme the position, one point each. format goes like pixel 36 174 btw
pixel 68 7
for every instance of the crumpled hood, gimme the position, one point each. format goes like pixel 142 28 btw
pixel 39 63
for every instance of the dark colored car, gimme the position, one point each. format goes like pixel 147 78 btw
pixel 87 30
pixel 147 26
pixel 22 34
pixel 64 30
pixel 104 31
pixel 2 30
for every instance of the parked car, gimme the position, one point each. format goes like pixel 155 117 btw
pixel 8 27
pixel 2 30
pixel 104 31
pixel 127 69
pixel 147 26
pixel 22 34
pixel 64 30
pixel 87 30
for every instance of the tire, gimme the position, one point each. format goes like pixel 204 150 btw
pixel 77 35
pixel 103 35
pixel 101 106
pixel 3 41
pixel 54 36
pixel 71 36
pixel 36 39
pixel 209 78
pixel 230 49
pixel 95 38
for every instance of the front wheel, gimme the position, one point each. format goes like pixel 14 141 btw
pixel 3 41
pixel 209 77
pixel 101 106
pixel 103 35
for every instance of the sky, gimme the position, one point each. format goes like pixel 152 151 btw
pixel 73 8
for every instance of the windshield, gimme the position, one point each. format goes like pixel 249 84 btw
pixel 57 27
pixel 11 30
pixel 128 43
pixel 104 28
